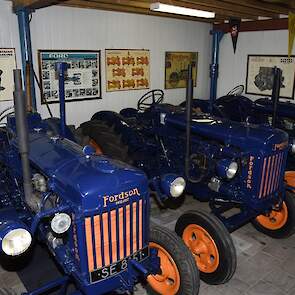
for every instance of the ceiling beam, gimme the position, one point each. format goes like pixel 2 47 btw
pixel 261 25
pixel 203 5
pixel 274 8
pixel 34 4
pixel 106 5
pixel 232 10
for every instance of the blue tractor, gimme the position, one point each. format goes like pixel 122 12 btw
pixel 266 111
pixel 91 212
pixel 237 167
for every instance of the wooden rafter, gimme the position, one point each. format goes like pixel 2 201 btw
pixel 34 4
pixel 224 9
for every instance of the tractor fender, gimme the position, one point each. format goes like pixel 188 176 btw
pixel 290 180
pixel 111 118
pixel 121 125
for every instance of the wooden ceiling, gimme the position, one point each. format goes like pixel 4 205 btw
pixel 244 9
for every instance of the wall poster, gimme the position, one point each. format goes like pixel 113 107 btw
pixel 84 69
pixel 259 79
pixel 127 69
pixel 176 64
pixel 7 65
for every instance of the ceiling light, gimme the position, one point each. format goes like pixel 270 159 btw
pixel 181 10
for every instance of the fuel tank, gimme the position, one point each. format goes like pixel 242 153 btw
pixel 93 182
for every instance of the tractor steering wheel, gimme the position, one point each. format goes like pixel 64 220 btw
pixel 149 99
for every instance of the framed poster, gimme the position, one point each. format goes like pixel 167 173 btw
pixel 259 79
pixel 176 64
pixel 84 69
pixel 127 69
pixel 7 65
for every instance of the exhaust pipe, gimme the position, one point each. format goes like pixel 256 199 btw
pixel 277 80
pixel 189 97
pixel 22 136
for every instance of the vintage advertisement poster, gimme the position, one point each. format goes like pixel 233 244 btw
pixel 127 69
pixel 176 64
pixel 7 65
pixel 260 74
pixel 84 80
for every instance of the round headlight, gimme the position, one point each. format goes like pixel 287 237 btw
pixel 293 147
pixel 177 187
pixel 60 223
pixel 232 170
pixel 16 242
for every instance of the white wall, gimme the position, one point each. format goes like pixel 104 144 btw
pixel 233 67
pixel 73 28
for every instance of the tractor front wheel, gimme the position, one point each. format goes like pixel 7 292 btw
pixel 280 222
pixel 211 245
pixel 178 274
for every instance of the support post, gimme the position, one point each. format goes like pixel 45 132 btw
pixel 23 16
pixel 61 69
pixel 216 36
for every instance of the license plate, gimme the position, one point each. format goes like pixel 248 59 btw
pixel 119 266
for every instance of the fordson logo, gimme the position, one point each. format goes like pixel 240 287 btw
pixel 250 172
pixel 121 198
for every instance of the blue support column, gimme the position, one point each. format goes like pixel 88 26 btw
pixel 217 36
pixel 23 15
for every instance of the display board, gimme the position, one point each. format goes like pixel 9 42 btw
pixel 176 64
pixel 7 65
pixel 260 74
pixel 84 74
pixel 127 69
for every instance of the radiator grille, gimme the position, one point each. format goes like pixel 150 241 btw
pixel 271 174
pixel 114 235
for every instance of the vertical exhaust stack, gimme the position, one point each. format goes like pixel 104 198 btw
pixel 277 80
pixel 189 97
pixel 22 135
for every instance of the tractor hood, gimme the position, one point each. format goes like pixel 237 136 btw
pixel 242 135
pixel 284 109
pixel 87 179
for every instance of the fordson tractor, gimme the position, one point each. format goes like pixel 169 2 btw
pixel 90 211
pixel 266 110
pixel 237 167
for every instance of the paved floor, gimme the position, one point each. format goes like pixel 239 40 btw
pixel 265 266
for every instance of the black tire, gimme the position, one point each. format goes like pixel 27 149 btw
pixel 184 261
pixel 107 139
pixel 226 264
pixel 288 227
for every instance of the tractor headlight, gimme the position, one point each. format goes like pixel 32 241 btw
pixel 293 146
pixel 227 168
pixel 60 223
pixel 173 185
pixel 177 187
pixel 16 242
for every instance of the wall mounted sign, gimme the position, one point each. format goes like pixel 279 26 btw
pixel 260 74
pixel 84 70
pixel 127 69
pixel 176 64
pixel 7 65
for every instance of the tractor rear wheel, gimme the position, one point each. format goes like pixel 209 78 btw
pixel 278 223
pixel 178 273
pixel 107 139
pixel 211 245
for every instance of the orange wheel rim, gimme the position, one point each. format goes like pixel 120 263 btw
pixel 276 219
pixel 202 246
pixel 98 150
pixel 168 282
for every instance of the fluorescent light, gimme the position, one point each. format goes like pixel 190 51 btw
pixel 181 10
